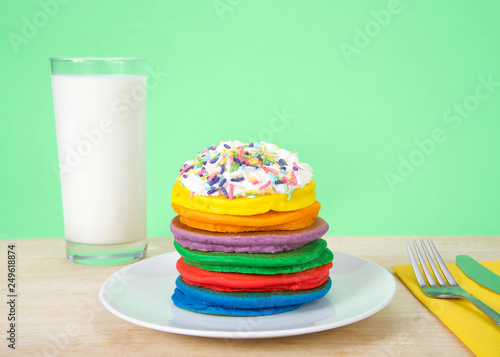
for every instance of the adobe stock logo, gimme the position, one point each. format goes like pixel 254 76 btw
pixel 471 103
pixel 222 7
pixel 74 155
pixel 364 35
pixel 407 165
pixel 454 117
pixel 31 25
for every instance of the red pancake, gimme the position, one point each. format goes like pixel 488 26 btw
pixel 221 281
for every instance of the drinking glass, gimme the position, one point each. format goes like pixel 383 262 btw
pixel 100 114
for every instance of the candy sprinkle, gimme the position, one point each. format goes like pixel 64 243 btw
pixel 212 175
pixel 294 178
pixel 214 180
pixel 234 166
pixel 264 185
pixel 270 169
pixel 272 177
pixel 212 190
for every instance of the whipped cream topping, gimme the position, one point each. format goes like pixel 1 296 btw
pixel 235 169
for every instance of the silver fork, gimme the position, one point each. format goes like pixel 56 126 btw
pixel 442 290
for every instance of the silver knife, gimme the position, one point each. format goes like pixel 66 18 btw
pixel 479 273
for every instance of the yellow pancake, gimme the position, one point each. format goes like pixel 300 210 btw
pixel 244 206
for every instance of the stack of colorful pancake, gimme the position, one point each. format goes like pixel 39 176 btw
pixel 248 232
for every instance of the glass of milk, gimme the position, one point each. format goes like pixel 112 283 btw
pixel 100 113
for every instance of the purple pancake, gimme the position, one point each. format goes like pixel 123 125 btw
pixel 248 242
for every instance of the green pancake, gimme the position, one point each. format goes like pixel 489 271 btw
pixel 309 256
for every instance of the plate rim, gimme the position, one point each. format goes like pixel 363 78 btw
pixel 246 334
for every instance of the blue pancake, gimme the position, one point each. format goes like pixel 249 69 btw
pixel 199 299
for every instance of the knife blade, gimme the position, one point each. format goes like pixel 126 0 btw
pixel 479 273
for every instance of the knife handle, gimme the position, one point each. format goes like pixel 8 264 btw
pixel 492 314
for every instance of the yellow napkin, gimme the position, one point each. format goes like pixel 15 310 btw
pixel 474 328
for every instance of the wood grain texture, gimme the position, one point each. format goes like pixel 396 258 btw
pixel 59 312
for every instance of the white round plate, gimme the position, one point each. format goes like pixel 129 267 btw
pixel 140 293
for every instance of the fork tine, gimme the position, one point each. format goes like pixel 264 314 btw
pixel 427 273
pixel 442 265
pixel 433 265
pixel 418 274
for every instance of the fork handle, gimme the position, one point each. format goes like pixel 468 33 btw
pixel 492 314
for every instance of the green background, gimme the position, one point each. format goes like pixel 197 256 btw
pixel 362 83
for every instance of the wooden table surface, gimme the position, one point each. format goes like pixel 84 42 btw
pixel 59 312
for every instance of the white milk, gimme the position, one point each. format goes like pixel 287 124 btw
pixel 101 137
